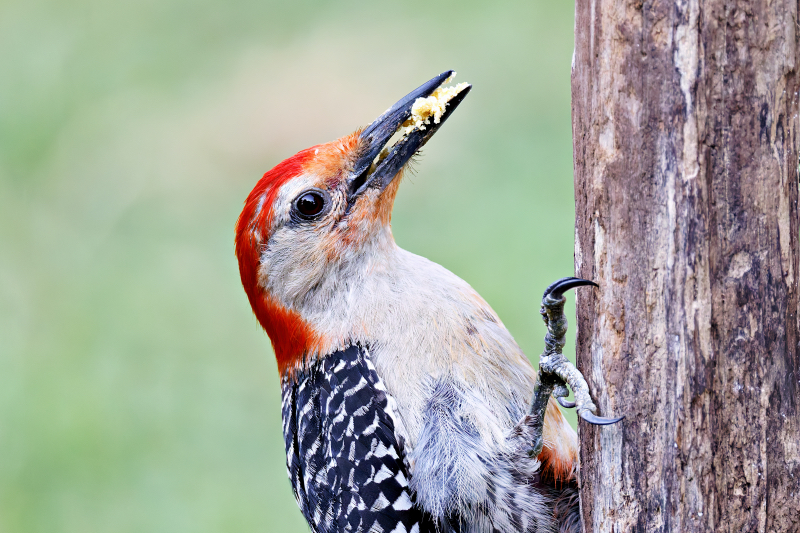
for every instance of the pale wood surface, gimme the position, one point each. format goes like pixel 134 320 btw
pixel 685 143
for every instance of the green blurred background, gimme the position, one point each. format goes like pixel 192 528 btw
pixel 137 393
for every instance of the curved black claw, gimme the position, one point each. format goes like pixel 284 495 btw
pixel 558 288
pixel 599 420
pixel 566 404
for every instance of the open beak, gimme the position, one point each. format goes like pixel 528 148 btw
pixel 372 171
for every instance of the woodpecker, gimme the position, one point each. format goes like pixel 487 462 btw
pixel 407 406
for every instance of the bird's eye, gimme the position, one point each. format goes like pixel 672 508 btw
pixel 309 204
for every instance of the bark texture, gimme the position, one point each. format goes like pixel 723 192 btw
pixel 686 182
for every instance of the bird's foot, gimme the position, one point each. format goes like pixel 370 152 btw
pixel 555 370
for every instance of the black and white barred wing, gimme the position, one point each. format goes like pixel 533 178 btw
pixel 343 456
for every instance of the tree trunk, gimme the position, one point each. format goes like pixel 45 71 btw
pixel 685 123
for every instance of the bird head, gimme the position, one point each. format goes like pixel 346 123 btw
pixel 325 212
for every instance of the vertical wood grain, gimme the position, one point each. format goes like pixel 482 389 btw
pixel 685 124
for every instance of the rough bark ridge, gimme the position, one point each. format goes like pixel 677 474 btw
pixel 685 123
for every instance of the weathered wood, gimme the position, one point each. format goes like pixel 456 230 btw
pixel 685 123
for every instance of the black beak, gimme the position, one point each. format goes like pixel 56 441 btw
pixel 377 135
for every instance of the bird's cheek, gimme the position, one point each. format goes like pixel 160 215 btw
pixel 333 246
pixel 362 222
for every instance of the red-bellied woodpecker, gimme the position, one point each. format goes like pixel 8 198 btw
pixel 407 405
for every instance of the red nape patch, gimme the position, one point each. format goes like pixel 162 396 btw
pixel 292 338
pixel 258 208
